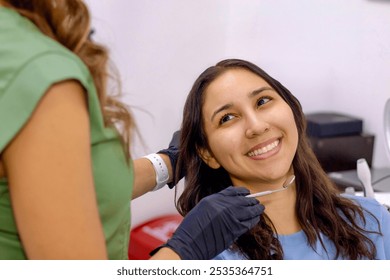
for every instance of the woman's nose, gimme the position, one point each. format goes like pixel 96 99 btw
pixel 255 125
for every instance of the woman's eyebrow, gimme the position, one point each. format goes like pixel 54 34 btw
pixel 258 91
pixel 220 109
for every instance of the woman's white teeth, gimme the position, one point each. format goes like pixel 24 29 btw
pixel 265 149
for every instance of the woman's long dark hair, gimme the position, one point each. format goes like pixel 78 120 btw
pixel 319 206
pixel 68 22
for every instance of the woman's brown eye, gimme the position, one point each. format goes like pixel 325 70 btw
pixel 263 100
pixel 226 118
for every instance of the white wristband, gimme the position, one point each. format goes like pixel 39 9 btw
pixel 162 175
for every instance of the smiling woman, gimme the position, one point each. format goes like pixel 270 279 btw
pixel 241 127
pixel 241 103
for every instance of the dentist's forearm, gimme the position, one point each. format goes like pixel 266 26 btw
pixel 145 175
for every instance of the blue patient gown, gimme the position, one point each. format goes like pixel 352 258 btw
pixel 296 247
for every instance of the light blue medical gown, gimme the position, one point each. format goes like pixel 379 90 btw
pixel 296 247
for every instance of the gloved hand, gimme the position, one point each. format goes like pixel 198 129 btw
pixel 215 223
pixel 173 153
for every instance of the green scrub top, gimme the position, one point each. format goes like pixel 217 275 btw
pixel 30 63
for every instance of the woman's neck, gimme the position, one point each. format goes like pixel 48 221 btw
pixel 280 208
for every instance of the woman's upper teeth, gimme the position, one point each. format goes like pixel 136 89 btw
pixel 263 150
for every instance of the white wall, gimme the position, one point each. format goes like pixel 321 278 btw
pixel 332 54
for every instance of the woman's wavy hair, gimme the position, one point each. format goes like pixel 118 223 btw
pixel 68 22
pixel 319 206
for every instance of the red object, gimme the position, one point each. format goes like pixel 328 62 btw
pixel 151 234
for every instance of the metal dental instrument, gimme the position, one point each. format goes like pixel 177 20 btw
pixel 286 183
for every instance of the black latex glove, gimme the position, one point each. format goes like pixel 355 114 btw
pixel 173 153
pixel 215 223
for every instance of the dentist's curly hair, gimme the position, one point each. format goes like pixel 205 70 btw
pixel 320 209
pixel 68 22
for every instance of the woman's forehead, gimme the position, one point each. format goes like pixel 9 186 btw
pixel 235 82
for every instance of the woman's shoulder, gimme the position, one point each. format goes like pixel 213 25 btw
pixel 366 202
pixel 31 63
pixel 22 42
pixel 373 209
pixel 29 55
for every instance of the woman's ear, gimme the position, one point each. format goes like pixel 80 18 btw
pixel 208 158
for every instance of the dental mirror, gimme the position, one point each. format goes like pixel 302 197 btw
pixel 286 184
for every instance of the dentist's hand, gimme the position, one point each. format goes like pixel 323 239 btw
pixel 215 223
pixel 173 153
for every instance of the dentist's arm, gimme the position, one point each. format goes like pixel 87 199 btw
pixel 145 173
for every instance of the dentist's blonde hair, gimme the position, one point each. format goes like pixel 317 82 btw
pixel 68 22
